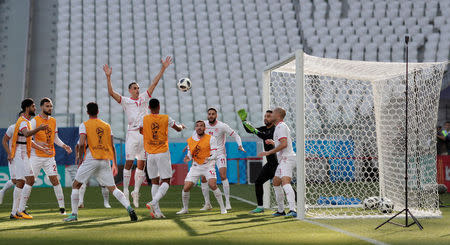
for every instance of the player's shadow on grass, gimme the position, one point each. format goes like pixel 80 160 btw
pixel 192 232
pixel 66 225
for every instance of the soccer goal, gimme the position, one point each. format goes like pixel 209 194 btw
pixel 347 120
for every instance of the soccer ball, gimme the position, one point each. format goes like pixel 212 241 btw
pixel 371 203
pixel 386 205
pixel 184 84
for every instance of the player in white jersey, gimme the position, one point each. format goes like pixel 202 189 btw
pixel 40 160
pixel 6 142
pixel 220 131
pixel 135 108
pixel 286 163
pixel 20 155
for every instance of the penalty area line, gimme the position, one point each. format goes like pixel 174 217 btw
pixel 330 227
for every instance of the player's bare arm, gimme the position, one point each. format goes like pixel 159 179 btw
pixel 5 144
pixel 80 152
pixel 111 92
pixel 28 133
pixel 115 170
pixel 165 63
pixel 179 127
pixel 281 146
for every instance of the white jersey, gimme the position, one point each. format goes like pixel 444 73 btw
pixel 82 130
pixel 282 132
pixel 33 126
pixel 10 132
pixel 135 109
pixel 220 131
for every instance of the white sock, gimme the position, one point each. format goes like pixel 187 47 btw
pixel 205 191
pixel 75 200
pixel 16 199
pixel 7 185
pixel 126 179
pixel 226 189
pixel 161 192
pixel 218 195
pixel 155 188
pixel 290 196
pixel 59 195
pixel 121 198
pixel 26 191
pixel 139 177
pixel 105 193
pixel 185 197
pixel 82 190
pixel 279 196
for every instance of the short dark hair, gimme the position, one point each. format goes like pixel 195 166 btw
pixel 212 108
pixel 269 111
pixel 131 84
pixel 26 103
pixel 45 100
pixel 200 121
pixel 153 103
pixel 92 109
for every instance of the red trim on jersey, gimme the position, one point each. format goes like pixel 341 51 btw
pixel 214 149
pixel 83 133
pixel 282 138
pixel 149 95
pixel 232 133
pixel 120 100
pixel 22 129
pixel 134 99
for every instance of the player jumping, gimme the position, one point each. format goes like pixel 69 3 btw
pixel 135 108
pixel 155 129
pixel 47 138
pixel 97 135
pixel 286 157
pixel 202 148
pixel 220 131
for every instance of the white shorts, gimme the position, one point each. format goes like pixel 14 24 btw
pixel 159 165
pixel 221 161
pixel 12 171
pixel 285 167
pixel 134 145
pixel 101 169
pixel 198 170
pixel 22 166
pixel 46 163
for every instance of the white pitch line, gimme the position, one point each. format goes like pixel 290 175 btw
pixel 366 239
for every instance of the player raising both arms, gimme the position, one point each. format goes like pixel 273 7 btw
pixel 220 131
pixel 20 155
pixel 97 135
pixel 47 138
pixel 202 149
pixel 155 129
pixel 135 108
pixel 286 159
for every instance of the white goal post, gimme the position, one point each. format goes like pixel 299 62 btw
pixel 347 120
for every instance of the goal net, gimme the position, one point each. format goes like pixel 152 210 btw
pixel 347 120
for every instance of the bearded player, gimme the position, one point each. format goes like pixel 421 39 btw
pixel 48 138
pixel 135 108
pixel 220 131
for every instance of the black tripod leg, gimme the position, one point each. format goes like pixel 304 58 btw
pixel 387 221
pixel 415 220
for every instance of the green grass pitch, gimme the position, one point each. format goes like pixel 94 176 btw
pixel 97 225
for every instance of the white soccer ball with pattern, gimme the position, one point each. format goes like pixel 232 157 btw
pixel 386 205
pixel 184 84
pixel 371 203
